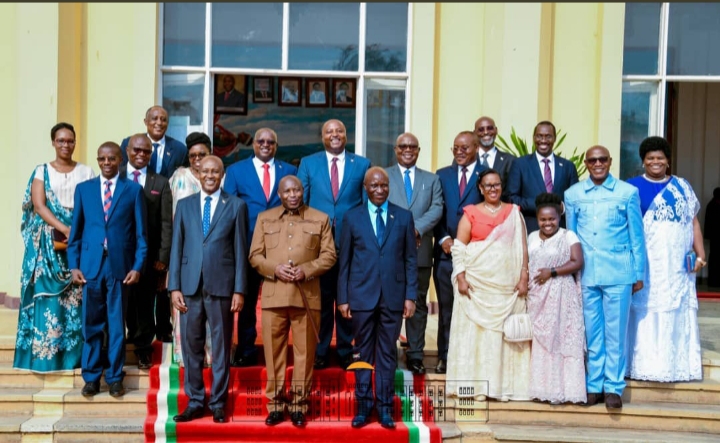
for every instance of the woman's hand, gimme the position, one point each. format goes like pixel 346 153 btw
pixel 522 286
pixel 65 231
pixel 542 276
pixel 463 286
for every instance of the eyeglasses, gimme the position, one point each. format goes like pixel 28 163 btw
pixel 106 159
pixel 62 141
pixel 491 186
pixel 602 160
pixel 266 142
pixel 485 128
pixel 142 151
pixel 465 148
pixel 408 147
pixel 200 155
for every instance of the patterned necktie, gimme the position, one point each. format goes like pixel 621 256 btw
pixel 266 181
pixel 107 202
pixel 463 181
pixel 548 176
pixel 153 158
pixel 379 225
pixel 408 187
pixel 334 180
pixel 206 216
pixel 136 174
pixel 484 159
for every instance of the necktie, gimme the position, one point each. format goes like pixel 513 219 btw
pixel 548 176
pixel 484 159
pixel 463 181
pixel 206 216
pixel 408 187
pixel 334 181
pixel 107 202
pixel 227 96
pixel 266 181
pixel 379 225
pixel 153 158
pixel 136 174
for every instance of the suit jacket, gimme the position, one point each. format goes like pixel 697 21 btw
pixel 174 156
pixel 220 257
pixel 314 174
pixel 503 161
pixel 367 269
pixel 241 180
pixel 158 205
pixel 525 183
pixel 235 100
pixel 305 239
pixel 453 203
pixel 124 229
pixel 426 206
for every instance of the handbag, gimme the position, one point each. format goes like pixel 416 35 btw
pixel 517 328
pixel 59 240
pixel 690 259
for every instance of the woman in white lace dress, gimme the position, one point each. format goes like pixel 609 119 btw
pixel 554 302
pixel 663 334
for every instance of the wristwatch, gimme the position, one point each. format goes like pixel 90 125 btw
pixel 553 272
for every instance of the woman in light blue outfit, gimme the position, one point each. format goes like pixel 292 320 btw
pixel 663 334
pixel 49 336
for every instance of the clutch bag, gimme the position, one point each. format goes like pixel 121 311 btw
pixel 59 240
pixel 517 328
pixel 690 259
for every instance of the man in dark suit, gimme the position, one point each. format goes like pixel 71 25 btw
pixel 207 280
pixel 255 180
pixel 333 183
pixel 541 171
pixel 106 253
pixel 420 192
pixel 377 289
pixel 230 97
pixel 149 311
pixel 489 155
pixel 459 190
pixel 168 153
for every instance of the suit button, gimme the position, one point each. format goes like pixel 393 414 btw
pixel 290 236
pixel 290 249
pixel 290 224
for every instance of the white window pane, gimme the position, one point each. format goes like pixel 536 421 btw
pixel 183 100
pixel 637 121
pixel 247 35
pixel 642 37
pixel 386 37
pixel 184 34
pixel 384 119
pixel 693 36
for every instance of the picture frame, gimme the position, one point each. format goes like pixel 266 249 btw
pixel 343 92
pixel 289 91
pixel 230 95
pixel 263 90
pixel 317 90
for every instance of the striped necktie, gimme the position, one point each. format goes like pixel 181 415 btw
pixel 107 202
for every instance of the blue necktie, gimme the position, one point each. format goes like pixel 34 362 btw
pixel 153 158
pixel 408 187
pixel 206 216
pixel 379 225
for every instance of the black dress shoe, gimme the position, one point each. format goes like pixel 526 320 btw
pixel 593 399
pixel 441 367
pixel 320 362
pixel 274 418
pixel 613 401
pixel 144 361
pixel 219 415
pixel 298 418
pixel 90 389
pixel 387 422
pixel 117 389
pixel 189 414
pixel 416 366
pixel 359 421
pixel 165 338
pixel 244 361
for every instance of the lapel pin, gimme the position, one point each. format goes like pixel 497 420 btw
pixel 392 216
pixel 223 201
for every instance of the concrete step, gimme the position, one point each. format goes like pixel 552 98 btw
pixel 7 348
pixel 135 378
pixel 17 401
pixel 114 429
pixel 8 320
pixel 132 404
pixel 706 392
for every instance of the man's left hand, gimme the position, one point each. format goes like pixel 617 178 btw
pixel 637 286
pixel 131 278
pixel 238 300
pixel 409 310
pixel 160 266
pixel 299 274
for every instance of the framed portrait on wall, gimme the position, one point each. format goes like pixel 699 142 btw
pixel 263 91
pixel 289 91
pixel 317 90
pixel 230 94
pixel 343 93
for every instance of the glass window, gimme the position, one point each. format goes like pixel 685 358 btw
pixel 693 35
pixel 324 36
pixel 642 34
pixel 385 119
pixel 386 37
pixel 247 35
pixel 637 121
pixel 184 34
pixel 183 100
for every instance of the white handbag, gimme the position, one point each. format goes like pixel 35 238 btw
pixel 517 328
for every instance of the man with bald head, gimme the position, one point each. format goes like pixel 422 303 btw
pixel 605 214
pixel 168 154
pixel 106 253
pixel 332 180
pixel 418 191
pixel 489 155
pixel 291 247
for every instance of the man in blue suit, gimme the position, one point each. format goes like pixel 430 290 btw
pixel 458 190
pixel 605 214
pixel 255 180
pixel 207 280
pixel 377 289
pixel 333 183
pixel 168 153
pixel 541 171
pixel 106 252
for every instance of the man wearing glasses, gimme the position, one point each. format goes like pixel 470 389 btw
pixel 255 180
pixel 489 155
pixel 418 191
pixel 605 214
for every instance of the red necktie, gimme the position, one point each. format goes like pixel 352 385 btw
pixel 227 96
pixel 266 181
pixel 334 181
pixel 463 181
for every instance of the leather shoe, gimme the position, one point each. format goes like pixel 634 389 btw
pixel 416 366
pixel 244 361
pixel 359 421
pixel 144 361
pixel 298 419
pixel 117 389
pixel 165 338
pixel 218 415
pixel 613 401
pixel 346 361
pixel 189 414
pixel 90 389
pixel 441 367
pixel 320 362
pixel 387 422
pixel 274 418
pixel 593 399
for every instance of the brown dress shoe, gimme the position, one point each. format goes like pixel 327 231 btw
pixel 593 399
pixel 613 401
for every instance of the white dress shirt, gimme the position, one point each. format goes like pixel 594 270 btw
pixel 470 170
pixel 141 177
pixel 160 152
pixel 215 197
pixel 340 165
pixel 492 152
pixel 113 184
pixel 540 159
pixel 412 174
pixel 261 171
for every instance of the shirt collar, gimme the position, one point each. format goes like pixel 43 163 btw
pixel 130 170
pixel 340 156
pixel 259 163
pixel 470 167
pixel 300 212
pixel 161 141
pixel 215 195
pixel 608 184
pixel 372 208
pixel 403 169
pixel 113 181
pixel 550 157
pixel 490 152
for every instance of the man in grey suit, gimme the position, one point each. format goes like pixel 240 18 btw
pixel 489 155
pixel 207 280
pixel 420 192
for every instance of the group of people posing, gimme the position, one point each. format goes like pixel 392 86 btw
pixel 166 244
